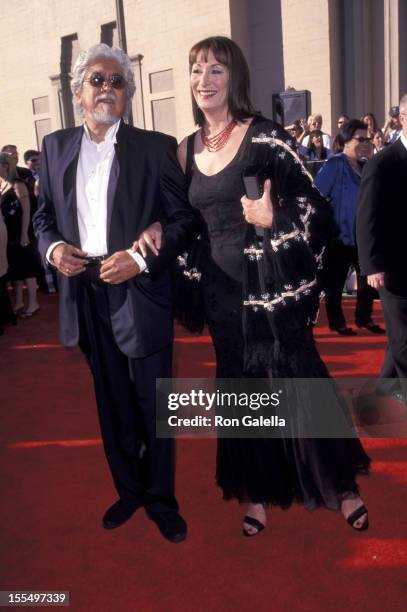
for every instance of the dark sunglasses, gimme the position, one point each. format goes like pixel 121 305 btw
pixel 362 139
pixel 98 79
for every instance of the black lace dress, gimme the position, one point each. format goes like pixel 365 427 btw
pixel 273 470
pixel 23 261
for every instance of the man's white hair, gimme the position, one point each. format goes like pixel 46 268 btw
pixel 89 57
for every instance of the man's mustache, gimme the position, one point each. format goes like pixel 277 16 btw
pixel 107 97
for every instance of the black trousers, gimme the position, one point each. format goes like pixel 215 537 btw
pixel 338 259
pixel 142 465
pixel 393 375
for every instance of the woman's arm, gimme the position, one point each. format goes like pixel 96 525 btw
pixel 24 199
pixel 305 131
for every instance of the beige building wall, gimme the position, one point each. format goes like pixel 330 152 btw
pixel 349 53
pixel 31 34
pixel 256 26
pixel 162 31
pixel 306 50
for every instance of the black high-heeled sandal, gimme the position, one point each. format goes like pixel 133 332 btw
pixel 254 523
pixel 355 515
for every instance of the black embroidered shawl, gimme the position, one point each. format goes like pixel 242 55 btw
pixel 281 279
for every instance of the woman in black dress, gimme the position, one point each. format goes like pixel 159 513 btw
pixel 22 258
pixel 259 296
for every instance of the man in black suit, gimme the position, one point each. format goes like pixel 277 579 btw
pixel 101 186
pixel 381 228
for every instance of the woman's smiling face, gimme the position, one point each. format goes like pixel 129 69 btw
pixel 209 82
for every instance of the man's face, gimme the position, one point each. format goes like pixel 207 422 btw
pixel 33 163
pixel 101 101
pixel 12 151
pixel 395 123
pixel 341 121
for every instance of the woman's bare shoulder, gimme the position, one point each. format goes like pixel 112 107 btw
pixel 182 152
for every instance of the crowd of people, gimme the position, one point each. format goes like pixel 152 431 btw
pixel 303 130
pixel 337 165
pixel 132 203
pixel 20 262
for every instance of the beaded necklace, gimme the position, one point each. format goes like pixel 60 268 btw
pixel 217 142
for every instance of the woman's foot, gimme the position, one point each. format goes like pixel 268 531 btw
pixel 255 520
pixel 355 512
pixel 18 309
pixel 30 312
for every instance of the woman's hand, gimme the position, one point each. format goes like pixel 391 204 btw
pixel 259 212
pixel 304 125
pixel 151 238
pixel 24 239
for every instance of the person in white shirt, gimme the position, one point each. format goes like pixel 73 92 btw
pixel 101 186
pixel 315 123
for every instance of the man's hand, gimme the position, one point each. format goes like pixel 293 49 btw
pixel 376 280
pixel 118 268
pixel 151 238
pixel 259 212
pixel 66 259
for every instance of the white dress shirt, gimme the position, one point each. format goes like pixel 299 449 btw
pixel 92 180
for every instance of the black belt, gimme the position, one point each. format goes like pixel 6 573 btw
pixel 93 262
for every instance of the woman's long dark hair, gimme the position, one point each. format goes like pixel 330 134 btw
pixel 374 121
pixel 230 55
pixel 311 146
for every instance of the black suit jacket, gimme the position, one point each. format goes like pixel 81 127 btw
pixel 381 222
pixel 146 184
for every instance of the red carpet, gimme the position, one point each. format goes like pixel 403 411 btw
pixel 55 487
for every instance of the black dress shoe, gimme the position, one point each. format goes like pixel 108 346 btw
pixel 344 331
pixel 375 329
pixel 118 514
pixel 171 525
